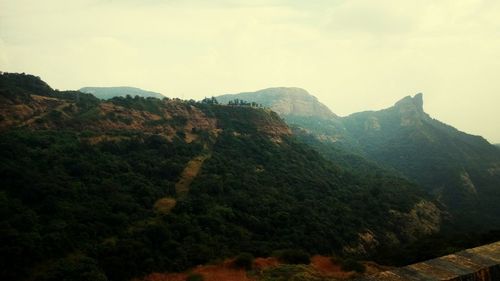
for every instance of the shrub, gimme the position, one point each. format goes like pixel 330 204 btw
pixel 291 256
pixel 244 260
pixel 352 265
pixel 195 277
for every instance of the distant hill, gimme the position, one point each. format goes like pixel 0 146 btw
pixel 285 102
pixel 297 107
pixel 105 93
pixel 462 171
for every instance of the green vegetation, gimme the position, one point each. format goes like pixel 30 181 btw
pixel 61 196
pixel 149 104
pixel 291 256
pixel 459 169
pixel 69 207
pixel 80 205
pixel 244 260
pixel 452 165
pixel 194 277
pixel 350 264
pixel 290 272
pixel 19 88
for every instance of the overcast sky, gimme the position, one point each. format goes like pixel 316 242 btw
pixel 353 55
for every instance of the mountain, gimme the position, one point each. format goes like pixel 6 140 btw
pixel 285 102
pixel 297 107
pixel 116 189
pixel 462 171
pixel 106 93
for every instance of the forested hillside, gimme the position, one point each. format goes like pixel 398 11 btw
pixel 461 171
pixel 110 190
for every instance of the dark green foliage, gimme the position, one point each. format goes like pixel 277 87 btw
pixel 211 100
pixel 195 277
pixel 244 260
pixel 238 102
pixel 61 196
pixel 439 158
pixel 23 85
pixel 352 265
pixel 150 104
pixel 292 256
pixel 459 169
pixel 70 208
pixel 292 272
pixel 19 87
pixel 73 269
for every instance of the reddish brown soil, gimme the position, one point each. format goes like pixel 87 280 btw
pixel 165 277
pixel 219 272
pixel 263 263
pixel 226 272
pixel 325 266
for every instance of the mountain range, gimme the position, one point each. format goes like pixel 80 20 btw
pixel 461 171
pixel 115 189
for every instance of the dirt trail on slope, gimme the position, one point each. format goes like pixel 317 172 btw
pixel 166 204
pixel 190 172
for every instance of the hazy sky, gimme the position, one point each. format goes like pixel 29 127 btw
pixel 353 55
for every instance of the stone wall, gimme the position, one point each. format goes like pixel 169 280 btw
pixel 477 264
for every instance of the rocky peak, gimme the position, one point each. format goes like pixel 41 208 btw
pixel 416 103
pixel 411 110
pixel 286 101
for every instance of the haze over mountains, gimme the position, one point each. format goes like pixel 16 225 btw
pixel 462 171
